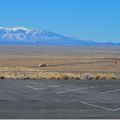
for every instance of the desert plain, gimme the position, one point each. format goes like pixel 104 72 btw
pixel 62 59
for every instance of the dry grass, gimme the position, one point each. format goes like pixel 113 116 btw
pixel 62 59
pixel 32 73
pixel 62 62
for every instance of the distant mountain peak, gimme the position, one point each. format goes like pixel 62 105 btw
pixel 23 35
pixel 15 28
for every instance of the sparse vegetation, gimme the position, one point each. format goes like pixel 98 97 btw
pixel 32 73
pixel 87 76
pixel 2 77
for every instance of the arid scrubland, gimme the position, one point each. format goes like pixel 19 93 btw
pixel 32 73
pixel 21 62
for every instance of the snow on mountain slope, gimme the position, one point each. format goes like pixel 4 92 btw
pixel 23 35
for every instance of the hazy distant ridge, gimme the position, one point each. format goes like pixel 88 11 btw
pixel 22 35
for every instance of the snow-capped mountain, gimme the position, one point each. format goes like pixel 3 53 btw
pixel 25 35
pixel 22 35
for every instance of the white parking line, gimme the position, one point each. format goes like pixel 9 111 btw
pixel 97 106
pixel 116 109
pixel 116 90
pixel 55 86
pixel 76 89
pixel 34 88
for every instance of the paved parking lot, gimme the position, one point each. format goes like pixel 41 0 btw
pixel 59 99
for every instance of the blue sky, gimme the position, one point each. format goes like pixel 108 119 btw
pixel 85 19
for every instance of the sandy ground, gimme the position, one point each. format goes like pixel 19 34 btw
pixel 62 59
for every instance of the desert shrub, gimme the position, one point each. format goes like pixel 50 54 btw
pixel 65 77
pixel 104 77
pixel 114 78
pixel 77 78
pixel 87 76
pixel 27 78
pixel 2 77
pixel 98 76
pixel 108 76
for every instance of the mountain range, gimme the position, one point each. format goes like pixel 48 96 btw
pixel 23 35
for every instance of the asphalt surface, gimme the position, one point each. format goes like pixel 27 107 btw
pixel 59 99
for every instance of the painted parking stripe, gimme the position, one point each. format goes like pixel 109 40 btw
pixel 55 86
pixel 76 89
pixel 97 106
pixel 110 91
pixel 116 109
pixel 34 88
